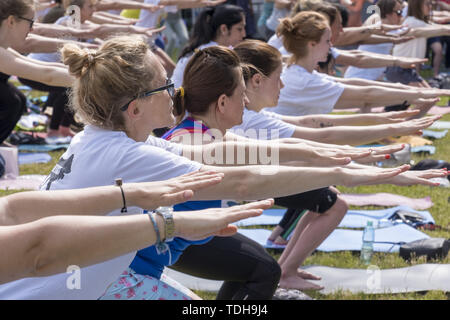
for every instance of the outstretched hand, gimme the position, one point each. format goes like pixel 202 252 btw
pixel 421 177
pixel 151 195
pixel 195 225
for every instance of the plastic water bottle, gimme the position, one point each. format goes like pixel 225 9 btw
pixel 367 246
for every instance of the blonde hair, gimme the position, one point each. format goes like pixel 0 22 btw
pixel 297 31
pixel 108 78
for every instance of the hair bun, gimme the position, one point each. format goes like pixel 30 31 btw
pixel 287 24
pixel 78 60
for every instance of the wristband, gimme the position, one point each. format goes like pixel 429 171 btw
pixel 169 226
pixel 119 184
pixel 160 246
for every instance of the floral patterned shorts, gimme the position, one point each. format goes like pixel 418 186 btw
pixel 133 286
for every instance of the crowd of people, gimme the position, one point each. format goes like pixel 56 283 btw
pixel 237 109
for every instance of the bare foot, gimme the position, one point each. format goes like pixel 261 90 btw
pixel 306 275
pixel 66 131
pixel 52 133
pixel 280 240
pixel 295 282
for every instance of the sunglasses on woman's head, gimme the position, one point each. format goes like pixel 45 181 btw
pixel 170 87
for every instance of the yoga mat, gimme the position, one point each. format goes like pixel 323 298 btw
pixel 353 218
pixel 27 158
pixel 428 149
pixel 423 277
pixel 440 125
pixel 269 217
pixel 192 282
pixel 42 147
pixel 359 218
pixel 350 240
pixel 387 199
pixel 28 182
pixel 434 134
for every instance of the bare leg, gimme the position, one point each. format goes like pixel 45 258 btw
pixel 311 231
pixel 276 233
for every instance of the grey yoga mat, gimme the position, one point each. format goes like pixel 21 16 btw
pixel 421 277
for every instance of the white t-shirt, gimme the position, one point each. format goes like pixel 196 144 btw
pixel 149 19
pixel 415 48
pixel 261 126
pixel 369 73
pixel 277 42
pixel 306 93
pixel 177 76
pixel 95 158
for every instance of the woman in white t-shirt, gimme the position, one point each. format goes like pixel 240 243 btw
pixel 122 94
pixel 307 37
pixel 263 86
pixel 220 26
pixel 418 19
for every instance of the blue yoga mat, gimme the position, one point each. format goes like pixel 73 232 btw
pixel 434 134
pixel 359 218
pixel 386 239
pixel 353 218
pixel 440 125
pixel 27 158
pixel 429 149
pixel 42 147
pixel 269 217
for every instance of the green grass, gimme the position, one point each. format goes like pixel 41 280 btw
pixel 440 212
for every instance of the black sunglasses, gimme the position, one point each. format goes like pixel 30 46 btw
pixel 31 21
pixel 170 87
pixel 399 12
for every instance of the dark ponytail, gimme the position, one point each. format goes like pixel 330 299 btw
pixel 209 21
pixel 210 73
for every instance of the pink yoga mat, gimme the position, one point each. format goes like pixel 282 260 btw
pixel 387 200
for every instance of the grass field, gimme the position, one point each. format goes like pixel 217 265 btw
pixel 440 212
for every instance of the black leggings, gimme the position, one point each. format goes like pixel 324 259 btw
pixel 319 200
pixel 12 106
pixel 58 99
pixel 248 271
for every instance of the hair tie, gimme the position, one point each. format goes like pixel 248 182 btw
pixel 181 89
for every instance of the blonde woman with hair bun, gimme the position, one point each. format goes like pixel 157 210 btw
pixel 308 92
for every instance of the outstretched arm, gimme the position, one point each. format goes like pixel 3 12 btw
pixel 49 245
pixel 365 59
pixel 21 207
pixel 360 119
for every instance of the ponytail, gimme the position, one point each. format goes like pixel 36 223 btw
pixel 209 21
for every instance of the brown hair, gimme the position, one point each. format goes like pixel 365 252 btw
pixel 297 31
pixel 108 78
pixel 325 8
pixel 209 73
pixel 14 8
pixel 415 9
pixel 259 56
